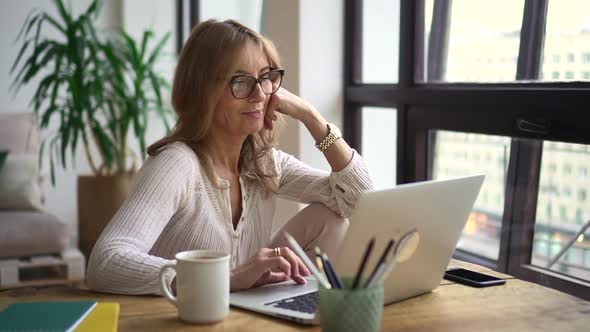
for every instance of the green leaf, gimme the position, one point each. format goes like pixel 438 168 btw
pixel 132 48
pixel 51 170
pixel 159 105
pixel 139 129
pixel 47 115
pixel 78 127
pixel 156 87
pixel 52 146
pixel 163 115
pixel 105 144
pixel 92 9
pixel 41 92
pixel 157 49
pixel 57 83
pixel 18 78
pixel 36 66
pixel 3 155
pixel 63 11
pixel 29 22
pixel 38 32
pixel 20 54
pixel 65 137
pixel 54 23
pixel 112 125
pixel 146 37
pixel 41 155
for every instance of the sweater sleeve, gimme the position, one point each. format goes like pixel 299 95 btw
pixel 120 261
pixel 339 191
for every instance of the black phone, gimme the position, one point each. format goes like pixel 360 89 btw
pixel 472 278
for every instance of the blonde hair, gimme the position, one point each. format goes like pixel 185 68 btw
pixel 205 62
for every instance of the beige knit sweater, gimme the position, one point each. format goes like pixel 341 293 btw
pixel 173 207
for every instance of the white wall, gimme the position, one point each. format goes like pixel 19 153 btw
pixel 247 12
pixel 321 68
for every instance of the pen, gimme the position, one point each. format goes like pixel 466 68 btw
pixel 399 247
pixel 295 246
pixel 380 262
pixel 323 269
pixel 336 280
pixel 361 268
pixel 377 276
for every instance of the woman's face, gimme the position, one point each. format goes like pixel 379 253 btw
pixel 242 117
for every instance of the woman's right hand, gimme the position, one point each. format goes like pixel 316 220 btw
pixel 267 268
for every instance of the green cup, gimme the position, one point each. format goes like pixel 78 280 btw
pixel 345 309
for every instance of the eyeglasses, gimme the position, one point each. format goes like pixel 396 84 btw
pixel 242 86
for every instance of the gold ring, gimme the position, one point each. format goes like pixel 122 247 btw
pixel 277 251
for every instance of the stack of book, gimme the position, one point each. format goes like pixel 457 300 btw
pixel 78 316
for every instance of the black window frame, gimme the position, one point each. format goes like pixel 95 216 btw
pixel 529 112
pixel 187 16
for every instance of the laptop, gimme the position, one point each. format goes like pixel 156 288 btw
pixel 437 210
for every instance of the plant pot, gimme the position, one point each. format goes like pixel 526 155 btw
pixel 99 198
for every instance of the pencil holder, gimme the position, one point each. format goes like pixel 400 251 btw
pixel 346 309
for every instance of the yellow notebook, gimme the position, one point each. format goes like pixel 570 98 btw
pixel 104 317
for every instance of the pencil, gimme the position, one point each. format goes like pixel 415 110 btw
pixel 295 246
pixel 380 262
pixel 336 282
pixel 361 268
pixel 323 269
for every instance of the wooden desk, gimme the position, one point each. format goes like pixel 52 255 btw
pixel 516 306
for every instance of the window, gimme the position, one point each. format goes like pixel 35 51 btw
pixel 477 40
pixel 579 216
pixel 482 231
pixel 583 171
pixel 558 231
pixel 563 212
pixel 380 55
pixel 469 83
pixel 379 145
pixel 567 30
pixel 571 58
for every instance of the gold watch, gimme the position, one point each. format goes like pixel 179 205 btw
pixel 333 134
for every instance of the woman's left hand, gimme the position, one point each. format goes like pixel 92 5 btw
pixel 289 104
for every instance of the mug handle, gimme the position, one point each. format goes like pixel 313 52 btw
pixel 165 287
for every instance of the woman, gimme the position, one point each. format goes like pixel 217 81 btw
pixel 212 183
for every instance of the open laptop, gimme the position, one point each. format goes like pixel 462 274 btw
pixel 438 211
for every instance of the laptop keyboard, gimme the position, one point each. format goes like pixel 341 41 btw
pixel 303 303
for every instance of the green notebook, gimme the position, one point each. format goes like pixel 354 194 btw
pixel 44 316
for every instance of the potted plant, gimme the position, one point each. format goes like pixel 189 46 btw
pixel 101 91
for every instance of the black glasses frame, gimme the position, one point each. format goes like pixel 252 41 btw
pixel 258 82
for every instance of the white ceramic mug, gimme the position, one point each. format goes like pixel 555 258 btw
pixel 202 285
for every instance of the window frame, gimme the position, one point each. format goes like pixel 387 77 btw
pixel 187 16
pixel 557 109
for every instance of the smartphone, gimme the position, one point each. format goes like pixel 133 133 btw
pixel 472 278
